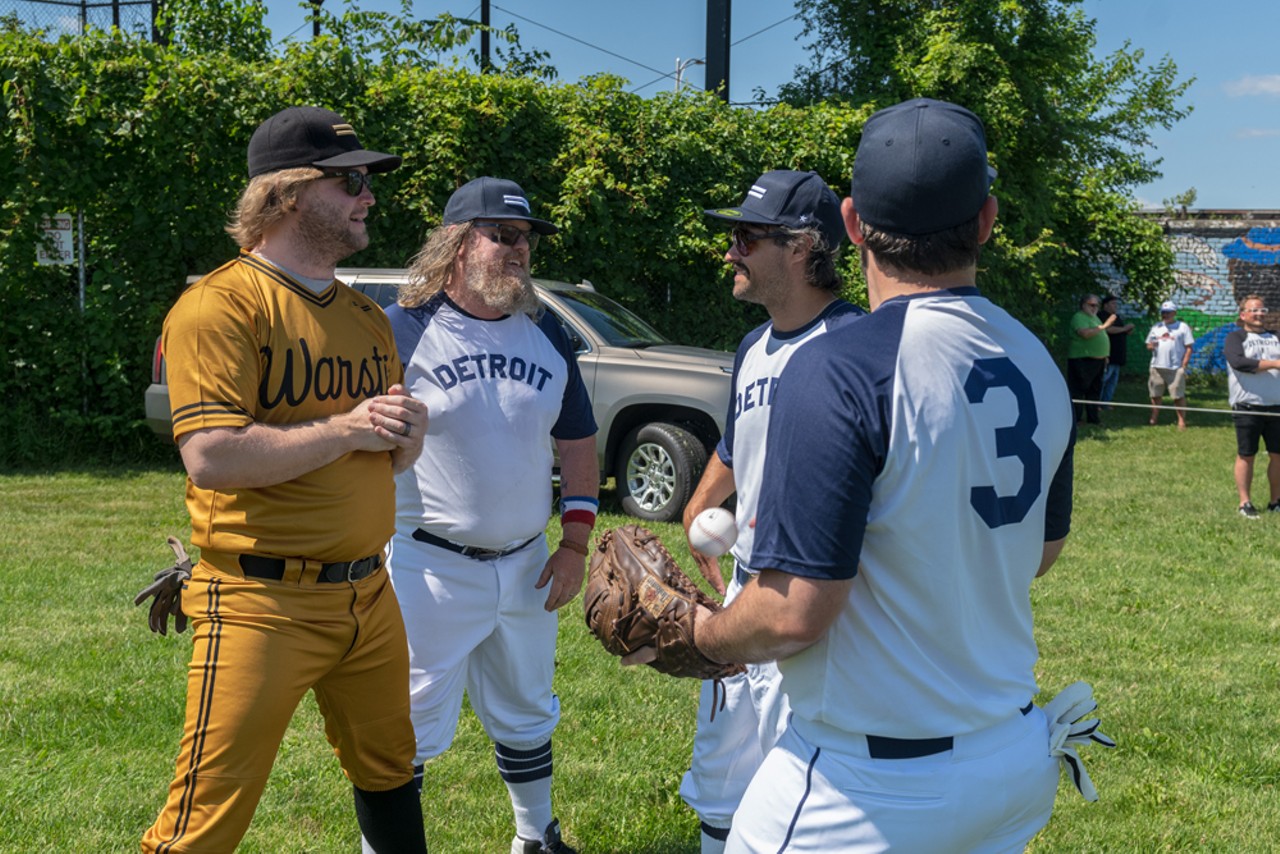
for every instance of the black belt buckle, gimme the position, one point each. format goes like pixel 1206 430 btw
pixel 348 571
pixel 477 553
pixel 473 552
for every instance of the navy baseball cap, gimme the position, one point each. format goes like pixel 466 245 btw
pixel 311 136
pixel 792 200
pixel 921 168
pixel 492 198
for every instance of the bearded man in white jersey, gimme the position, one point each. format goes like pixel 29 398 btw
pixel 785 240
pixel 469 561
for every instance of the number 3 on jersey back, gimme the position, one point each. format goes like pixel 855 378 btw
pixel 1011 441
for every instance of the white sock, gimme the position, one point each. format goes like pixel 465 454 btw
pixel 531 803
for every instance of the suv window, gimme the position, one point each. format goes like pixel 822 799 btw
pixel 616 324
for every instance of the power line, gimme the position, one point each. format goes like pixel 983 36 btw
pixel 770 27
pixel 791 17
pixel 662 75
pixel 580 41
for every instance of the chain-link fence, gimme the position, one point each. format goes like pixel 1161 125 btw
pixel 73 17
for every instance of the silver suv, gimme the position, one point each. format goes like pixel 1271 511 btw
pixel 660 406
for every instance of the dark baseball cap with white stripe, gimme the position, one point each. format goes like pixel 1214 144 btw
pixel 311 136
pixel 492 198
pixel 792 200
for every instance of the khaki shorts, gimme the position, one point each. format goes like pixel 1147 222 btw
pixel 1162 381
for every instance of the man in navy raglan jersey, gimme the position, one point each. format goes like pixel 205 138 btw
pixel 786 237
pixel 918 480
pixel 469 560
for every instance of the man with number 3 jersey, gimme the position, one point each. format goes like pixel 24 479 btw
pixel 918 480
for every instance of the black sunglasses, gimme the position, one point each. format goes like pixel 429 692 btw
pixel 509 235
pixel 744 241
pixel 356 181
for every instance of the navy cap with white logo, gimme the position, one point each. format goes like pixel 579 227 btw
pixel 921 167
pixel 492 198
pixel 792 200
pixel 311 136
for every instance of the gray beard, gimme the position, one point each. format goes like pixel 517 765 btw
pixel 499 290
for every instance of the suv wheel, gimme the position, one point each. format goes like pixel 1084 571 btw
pixel 658 468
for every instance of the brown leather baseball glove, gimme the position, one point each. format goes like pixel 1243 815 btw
pixel 637 596
pixel 166 592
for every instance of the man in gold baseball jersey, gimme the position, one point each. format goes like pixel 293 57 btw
pixel 291 421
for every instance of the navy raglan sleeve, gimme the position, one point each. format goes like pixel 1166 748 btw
pixel 576 420
pixel 832 422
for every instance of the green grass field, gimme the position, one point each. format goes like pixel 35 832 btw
pixel 1165 600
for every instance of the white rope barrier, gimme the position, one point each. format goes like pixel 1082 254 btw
pixel 1170 408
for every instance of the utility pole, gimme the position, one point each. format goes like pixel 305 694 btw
pixel 315 20
pixel 485 63
pixel 157 37
pixel 718 47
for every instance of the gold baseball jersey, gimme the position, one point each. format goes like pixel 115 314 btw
pixel 249 344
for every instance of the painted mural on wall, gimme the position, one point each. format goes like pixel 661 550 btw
pixel 1216 265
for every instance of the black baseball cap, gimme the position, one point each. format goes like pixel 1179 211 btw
pixel 492 198
pixel 921 167
pixel 311 136
pixel 792 200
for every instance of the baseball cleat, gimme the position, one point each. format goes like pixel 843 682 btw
pixel 1248 511
pixel 550 843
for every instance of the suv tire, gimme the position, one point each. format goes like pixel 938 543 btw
pixel 658 467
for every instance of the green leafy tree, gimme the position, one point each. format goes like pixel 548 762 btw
pixel 233 27
pixel 400 38
pixel 1180 202
pixel 1069 133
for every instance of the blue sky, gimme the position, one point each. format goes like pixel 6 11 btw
pixel 1229 46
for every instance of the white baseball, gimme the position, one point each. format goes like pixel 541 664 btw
pixel 713 531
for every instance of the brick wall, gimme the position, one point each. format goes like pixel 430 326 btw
pixel 1219 256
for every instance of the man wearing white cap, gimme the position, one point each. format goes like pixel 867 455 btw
pixel 1170 342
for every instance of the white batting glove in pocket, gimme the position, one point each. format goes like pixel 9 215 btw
pixel 1068 730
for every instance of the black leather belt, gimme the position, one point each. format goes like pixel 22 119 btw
pixel 272 568
pixel 473 552
pixel 882 747
pixel 1255 407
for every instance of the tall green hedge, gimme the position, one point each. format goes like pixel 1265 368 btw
pixel 149 144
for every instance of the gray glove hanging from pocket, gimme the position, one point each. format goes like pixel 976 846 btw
pixel 167 592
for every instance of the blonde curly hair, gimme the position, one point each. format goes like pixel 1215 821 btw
pixel 265 201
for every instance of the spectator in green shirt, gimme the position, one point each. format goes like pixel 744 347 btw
pixel 1087 355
